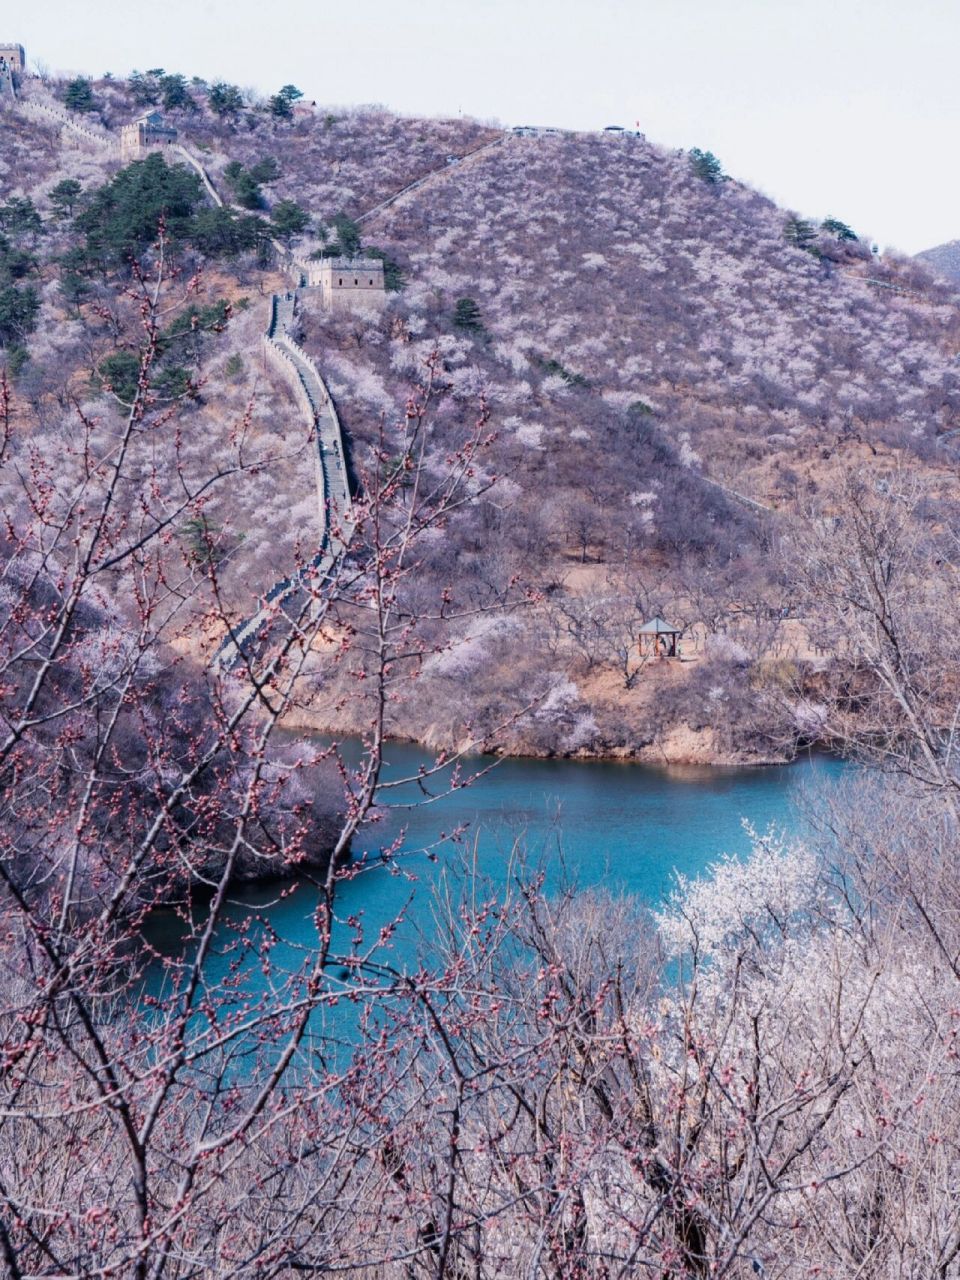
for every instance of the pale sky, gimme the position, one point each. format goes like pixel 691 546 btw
pixel 842 107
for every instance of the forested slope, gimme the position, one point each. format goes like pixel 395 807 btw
pixel 672 367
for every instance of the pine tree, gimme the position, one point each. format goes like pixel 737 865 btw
pixel 800 233
pixel 225 99
pixel 121 373
pixel 79 95
pixel 393 277
pixel 176 94
pixel 281 104
pixel 707 167
pixel 19 309
pixel 348 236
pixel 64 197
pixel 143 89
pixel 19 217
pixel 266 170
pixel 839 229
pixel 467 315
pixel 245 186
pixel 289 219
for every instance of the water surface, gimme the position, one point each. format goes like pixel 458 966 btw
pixel 626 827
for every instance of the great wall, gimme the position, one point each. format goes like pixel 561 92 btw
pixel 299 371
pixel 452 166
pixel 334 503
pixel 281 351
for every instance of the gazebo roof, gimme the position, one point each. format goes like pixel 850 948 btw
pixel 657 627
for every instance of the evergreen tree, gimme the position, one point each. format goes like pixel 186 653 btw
pixel 289 219
pixel 15 263
pixel 707 167
pixel 220 233
pixel 64 197
pixel 800 233
pixel 143 89
pixel 19 309
pixel 348 236
pixel 467 315
pixel 201 536
pixel 19 217
pixel 244 185
pixel 393 277
pixel 280 108
pixel 76 269
pixel 78 95
pixel 122 217
pixel 225 99
pixel 834 227
pixel 281 104
pixel 175 383
pixel 175 94
pixel 120 373
pixel 266 170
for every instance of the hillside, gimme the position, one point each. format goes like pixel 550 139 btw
pixel 541 391
pixel 668 378
pixel 944 259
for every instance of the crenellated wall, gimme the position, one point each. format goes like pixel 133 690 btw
pixel 66 120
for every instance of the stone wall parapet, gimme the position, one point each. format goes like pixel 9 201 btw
pixel 66 120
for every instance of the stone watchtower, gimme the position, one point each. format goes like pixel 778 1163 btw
pixel 347 282
pixel 13 58
pixel 145 134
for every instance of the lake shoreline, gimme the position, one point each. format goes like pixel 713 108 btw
pixel 682 746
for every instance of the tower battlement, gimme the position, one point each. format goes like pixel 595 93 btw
pixel 145 134
pixel 345 282
pixel 13 58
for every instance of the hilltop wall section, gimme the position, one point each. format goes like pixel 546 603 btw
pixel 149 133
pixel 68 123
pixel 432 176
pixel 13 63
pixel 334 502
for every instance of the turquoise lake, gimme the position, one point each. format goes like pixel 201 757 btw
pixel 625 827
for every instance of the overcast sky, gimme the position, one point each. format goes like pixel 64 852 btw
pixel 842 107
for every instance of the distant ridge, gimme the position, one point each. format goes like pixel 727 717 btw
pixel 944 259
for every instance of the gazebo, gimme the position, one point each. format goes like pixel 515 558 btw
pixel 658 639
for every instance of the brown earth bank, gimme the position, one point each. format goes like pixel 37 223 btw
pixel 681 745
pixel 623 725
